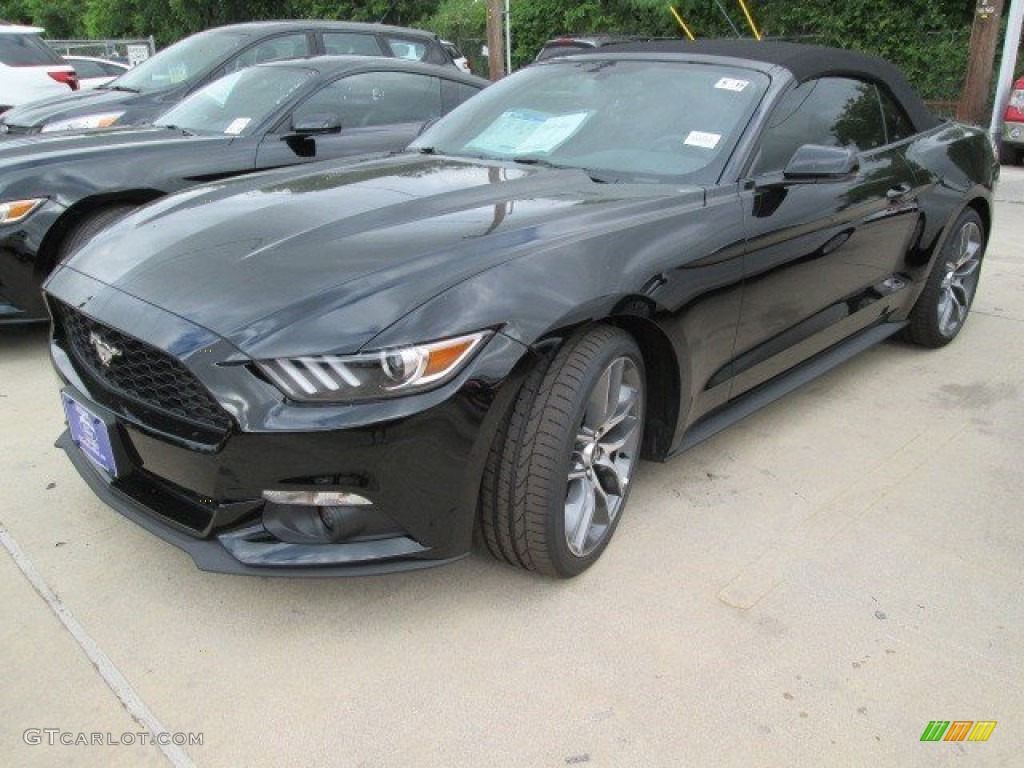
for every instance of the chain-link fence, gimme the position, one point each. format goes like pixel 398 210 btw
pixel 130 51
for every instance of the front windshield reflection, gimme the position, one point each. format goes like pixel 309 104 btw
pixel 181 62
pixel 634 119
pixel 237 103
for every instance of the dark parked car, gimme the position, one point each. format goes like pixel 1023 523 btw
pixel 155 85
pixel 57 191
pixel 340 370
pixel 570 44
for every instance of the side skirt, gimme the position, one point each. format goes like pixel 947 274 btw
pixel 781 385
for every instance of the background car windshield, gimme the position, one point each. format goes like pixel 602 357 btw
pixel 237 103
pixel 635 120
pixel 182 61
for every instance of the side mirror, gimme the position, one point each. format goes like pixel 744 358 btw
pixel 316 124
pixel 813 162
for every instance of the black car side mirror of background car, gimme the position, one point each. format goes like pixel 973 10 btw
pixel 814 162
pixel 304 129
pixel 316 124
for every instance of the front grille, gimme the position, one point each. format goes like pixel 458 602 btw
pixel 140 372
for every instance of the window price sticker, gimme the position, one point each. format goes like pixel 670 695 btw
pixel 732 84
pixel 702 139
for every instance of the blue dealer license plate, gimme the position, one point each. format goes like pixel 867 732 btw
pixel 90 434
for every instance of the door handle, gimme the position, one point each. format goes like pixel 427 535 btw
pixel 896 194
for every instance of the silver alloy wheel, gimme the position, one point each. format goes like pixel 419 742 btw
pixel 961 279
pixel 604 454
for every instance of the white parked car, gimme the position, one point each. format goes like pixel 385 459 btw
pixel 29 68
pixel 93 71
pixel 458 59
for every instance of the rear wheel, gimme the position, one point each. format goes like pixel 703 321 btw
pixel 558 475
pixel 88 227
pixel 942 307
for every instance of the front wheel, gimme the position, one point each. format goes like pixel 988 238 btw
pixel 558 475
pixel 942 307
pixel 87 228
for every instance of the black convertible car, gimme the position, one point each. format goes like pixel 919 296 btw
pixel 58 191
pixel 601 258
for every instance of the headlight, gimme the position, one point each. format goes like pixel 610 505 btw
pixel 83 122
pixel 371 375
pixel 14 211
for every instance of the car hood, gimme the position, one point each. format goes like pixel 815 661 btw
pixel 322 261
pixel 33 116
pixel 62 146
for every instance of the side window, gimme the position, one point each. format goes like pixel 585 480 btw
pixel 85 68
pixel 897 125
pixel 351 43
pixel 454 93
pixel 292 46
pixel 376 98
pixel 404 48
pixel 20 50
pixel 832 111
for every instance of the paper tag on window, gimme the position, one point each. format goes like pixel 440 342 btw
pixel 702 139
pixel 237 126
pixel 732 84
pixel 178 73
pixel 524 131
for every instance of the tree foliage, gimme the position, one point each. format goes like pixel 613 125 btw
pixel 927 38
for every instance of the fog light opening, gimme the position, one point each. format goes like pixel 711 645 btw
pixel 341 523
pixel 326 517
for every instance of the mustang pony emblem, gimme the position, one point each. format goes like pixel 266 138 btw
pixel 106 351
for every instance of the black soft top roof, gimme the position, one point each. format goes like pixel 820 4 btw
pixel 805 62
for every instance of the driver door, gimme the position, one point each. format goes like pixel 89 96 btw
pixel 378 112
pixel 823 258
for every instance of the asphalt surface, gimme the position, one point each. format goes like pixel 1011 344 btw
pixel 811 587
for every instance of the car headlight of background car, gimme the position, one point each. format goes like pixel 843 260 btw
pixel 371 375
pixel 84 122
pixel 13 211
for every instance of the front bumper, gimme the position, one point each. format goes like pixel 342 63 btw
pixel 21 270
pixel 214 553
pixel 417 459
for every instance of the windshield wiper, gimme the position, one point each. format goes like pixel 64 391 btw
pixel 124 88
pixel 534 160
pixel 544 163
pixel 427 150
pixel 185 131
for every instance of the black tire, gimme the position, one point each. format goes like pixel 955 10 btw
pixel 927 327
pixel 88 227
pixel 524 500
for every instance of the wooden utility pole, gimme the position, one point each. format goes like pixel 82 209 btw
pixel 495 39
pixel 984 35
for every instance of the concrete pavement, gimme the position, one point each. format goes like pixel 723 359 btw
pixel 810 587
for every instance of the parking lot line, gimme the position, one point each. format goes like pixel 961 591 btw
pixel 111 675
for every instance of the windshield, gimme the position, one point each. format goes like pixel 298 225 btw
pixel 184 61
pixel 627 119
pixel 237 103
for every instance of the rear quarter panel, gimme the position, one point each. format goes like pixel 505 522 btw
pixel 955 167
